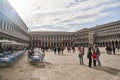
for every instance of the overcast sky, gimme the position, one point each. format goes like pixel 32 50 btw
pixel 66 15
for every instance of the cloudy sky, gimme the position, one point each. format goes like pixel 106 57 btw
pixel 66 15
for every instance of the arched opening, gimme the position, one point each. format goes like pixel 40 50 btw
pixel 45 44
pixel 96 43
pixel 103 44
pixel 116 43
pixel 100 44
pixel 42 44
pixel 106 43
pixel 57 44
pixel 113 43
pixel 65 43
pixel 119 43
pixel 109 43
pixel 33 44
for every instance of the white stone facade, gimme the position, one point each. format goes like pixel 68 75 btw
pixel 12 27
pixel 49 38
pixel 102 35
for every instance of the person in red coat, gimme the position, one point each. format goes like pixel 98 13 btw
pixel 94 55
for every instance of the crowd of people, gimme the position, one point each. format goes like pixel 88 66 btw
pixel 110 50
pixel 93 53
pixel 58 49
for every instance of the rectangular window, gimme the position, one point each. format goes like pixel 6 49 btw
pixel 0 22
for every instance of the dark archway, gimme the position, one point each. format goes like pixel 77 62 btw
pixel 119 43
pixel 96 43
pixel 103 44
pixel 106 43
pixel 116 43
pixel 113 43
pixel 45 44
pixel 100 44
pixel 33 44
pixel 109 43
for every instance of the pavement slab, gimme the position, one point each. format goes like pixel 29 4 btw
pixel 63 67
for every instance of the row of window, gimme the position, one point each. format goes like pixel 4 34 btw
pixel 51 44
pixel 113 29
pixel 8 27
pixel 51 38
pixel 117 36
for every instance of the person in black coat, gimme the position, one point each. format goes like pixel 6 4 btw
pixel 89 56
pixel 113 50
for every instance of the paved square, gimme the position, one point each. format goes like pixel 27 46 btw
pixel 63 67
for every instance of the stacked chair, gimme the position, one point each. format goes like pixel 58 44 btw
pixel 10 57
pixel 38 57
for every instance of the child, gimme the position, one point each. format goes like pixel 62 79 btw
pixel 94 57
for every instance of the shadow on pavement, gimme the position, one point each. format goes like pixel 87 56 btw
pixel 42 64
pixel 6 66
pixel 110 70
pixel 117 54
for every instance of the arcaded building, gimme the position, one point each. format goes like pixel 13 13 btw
pixel 13 31
pixel 102 35
pixel 51 38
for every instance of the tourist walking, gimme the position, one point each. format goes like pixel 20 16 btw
pixel 81 57
pixel 110 50
pixel 55 49
pixel 62 49
pixel 118 48
pixel 73 49
pixel 107 50
pixel 89 56
pixel 113 50
pixel 59 50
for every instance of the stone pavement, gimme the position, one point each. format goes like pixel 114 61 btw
pixel 63 67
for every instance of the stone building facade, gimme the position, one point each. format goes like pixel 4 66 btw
pixel 51 38
pixel 12 28
pixel 102 35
